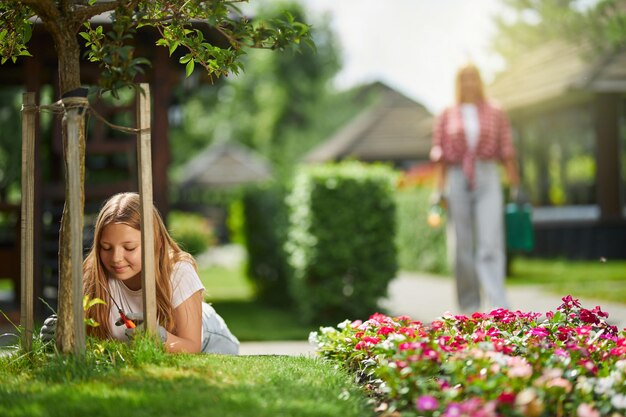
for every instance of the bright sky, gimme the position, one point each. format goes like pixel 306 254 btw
pixel 415 46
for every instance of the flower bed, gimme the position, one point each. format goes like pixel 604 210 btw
pixel 569 362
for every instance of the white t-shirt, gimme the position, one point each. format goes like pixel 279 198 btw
pixel 471 124
pixel 185 283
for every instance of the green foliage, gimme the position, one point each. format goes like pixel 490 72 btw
pixel 341 239
pixel 16 31
pixel 420 247
pixel 282 106
pixel 191 231
pixel 113 49
pixel 235 222
pixel 10 142
pixel 528 24
pixel 265 227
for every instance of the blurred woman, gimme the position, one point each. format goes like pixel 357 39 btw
pixel 470 138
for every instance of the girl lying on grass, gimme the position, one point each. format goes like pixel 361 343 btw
pixel 112 272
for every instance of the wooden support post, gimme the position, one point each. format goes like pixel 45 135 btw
pixel 144 155
pixel 29 112
pixel 74 121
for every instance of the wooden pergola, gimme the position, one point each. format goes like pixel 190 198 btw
pixel 555 78
pixel 40 71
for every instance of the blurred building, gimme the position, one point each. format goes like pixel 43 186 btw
pixel 393 129
pixel 567 108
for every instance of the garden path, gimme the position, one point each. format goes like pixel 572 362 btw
pixel 426 297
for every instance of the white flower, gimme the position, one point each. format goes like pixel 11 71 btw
pixel 313 338
pixel 585 385
pixel 396 337
pixel 619 401
pixel 327 330
pixel 604 386
pixel 344 324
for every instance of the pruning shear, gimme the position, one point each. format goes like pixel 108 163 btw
pixel 127 322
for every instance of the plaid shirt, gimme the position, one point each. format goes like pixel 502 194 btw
pixel 494 142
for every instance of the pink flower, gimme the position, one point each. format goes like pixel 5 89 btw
pixel 371 340
pixel 598 312
pixel 426 403
pixel 539 331
pixel 569 302
pixel 588 365
pixel 407 331
pixel 385 330
pixel 453 410
pixel 586 410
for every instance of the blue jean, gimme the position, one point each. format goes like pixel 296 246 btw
pixel 477 217
pixel 216 337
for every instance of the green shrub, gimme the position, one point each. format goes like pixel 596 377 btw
pixel 265 230
pixel 420 247
pixel 341 239
pixel 192 231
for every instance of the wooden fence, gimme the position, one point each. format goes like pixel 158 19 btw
pixel 75 132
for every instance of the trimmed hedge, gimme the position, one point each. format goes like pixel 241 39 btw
pixel 341 239
pixel 420 247
pixel 265 229
pixel 191 231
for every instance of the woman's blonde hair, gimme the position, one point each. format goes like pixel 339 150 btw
pixel 472 70
pixel 124 208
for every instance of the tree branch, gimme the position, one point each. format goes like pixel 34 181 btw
pixel 85 13
pixel 45 9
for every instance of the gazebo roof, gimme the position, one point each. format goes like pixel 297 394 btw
pixel 556 73
pixel 224 165
pixel 394 128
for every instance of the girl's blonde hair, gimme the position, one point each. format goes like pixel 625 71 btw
pixel 472 70
pixel 124 208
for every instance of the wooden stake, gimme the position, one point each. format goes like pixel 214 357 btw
pixel 75 125
pixel 144 155
pixel 29 111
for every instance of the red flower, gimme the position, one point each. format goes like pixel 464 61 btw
pixel 588 317
pixel 507 398
pixel 385 330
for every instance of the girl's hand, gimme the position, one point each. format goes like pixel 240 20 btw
pixel 137 318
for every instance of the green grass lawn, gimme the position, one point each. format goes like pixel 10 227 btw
pixel 112 382
pixel 232 296
pixel 604 280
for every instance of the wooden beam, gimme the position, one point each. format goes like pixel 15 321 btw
pixel 608 107
pixel 148 277
pixel 29 112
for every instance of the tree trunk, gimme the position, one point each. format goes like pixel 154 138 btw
pixel 68 51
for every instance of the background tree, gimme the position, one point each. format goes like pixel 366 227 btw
pixel 282 106
pixel 530 23
pixel 113 50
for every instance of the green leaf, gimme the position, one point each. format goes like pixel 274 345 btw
pixel 173 47
pixel 189 68
pixel 87 303
pixel 27 32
